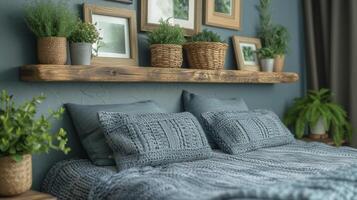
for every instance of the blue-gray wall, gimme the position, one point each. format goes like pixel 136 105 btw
pixel 17 47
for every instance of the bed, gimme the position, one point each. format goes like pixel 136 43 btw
pixel 298 170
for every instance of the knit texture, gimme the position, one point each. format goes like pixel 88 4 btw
pixel 154 139
pixel 197 105
pixel 85 120
pixel 241 131
pixel 310 171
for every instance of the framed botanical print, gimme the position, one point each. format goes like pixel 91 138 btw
pixel 185 13
pixel 223 13
pixel 117 28
pixel 245 51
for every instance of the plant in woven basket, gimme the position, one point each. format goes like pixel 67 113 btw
pixel 166 45
pixel 52 23
pixel 206 50
pixel 318 111
pixel 22 133
pixel 82 39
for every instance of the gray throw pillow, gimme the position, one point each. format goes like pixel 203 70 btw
pixel 139 140
pixel 85 120
pixel 239 132
pixel 197 105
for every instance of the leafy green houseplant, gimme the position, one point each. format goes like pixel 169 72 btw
pixel 206 50
pixel 166 45
pixel 83 37
pixel 52 23
pixel 266 55
pixel 23 134
pixel 318 111
pixel 273 36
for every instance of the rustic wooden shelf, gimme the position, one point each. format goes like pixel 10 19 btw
pixel 67 73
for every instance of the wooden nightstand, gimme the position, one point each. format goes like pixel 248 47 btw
pixel 31 195
pixel 327 141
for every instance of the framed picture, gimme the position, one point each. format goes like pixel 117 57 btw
pixel 185 13
pixel 223 13
pixel 245 50
pixel 117 28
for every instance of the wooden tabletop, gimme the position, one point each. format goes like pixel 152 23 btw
pixel 30 195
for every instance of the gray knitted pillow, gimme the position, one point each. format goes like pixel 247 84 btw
pixel 139 140
pixel 241 131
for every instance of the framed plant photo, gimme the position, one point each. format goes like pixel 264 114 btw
pixel 185 13
pixel 245 51
pixel 223 13
pixel 117 28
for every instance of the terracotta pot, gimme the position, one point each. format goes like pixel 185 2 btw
pixel 279 63
pixel 15 177
pixel 52 50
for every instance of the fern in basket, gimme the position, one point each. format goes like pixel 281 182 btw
pixel 167 34
pixel 207 36
pixel 317 105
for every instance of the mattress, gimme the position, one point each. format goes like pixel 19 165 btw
pixel 255 174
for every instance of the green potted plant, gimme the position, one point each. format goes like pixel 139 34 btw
pixel 273 36
pixel 321 114
pixel 81 41
pixel 206 50
pixel 52 23
pixel 266 56
pixel 23 134
pixel 166 45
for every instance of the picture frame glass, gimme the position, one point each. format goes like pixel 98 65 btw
pixel 224 7
pixel 114 31
pixel 179 12
pixel 249 55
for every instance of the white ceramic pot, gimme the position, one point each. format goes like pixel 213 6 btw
pixel 267 65
pixel 319 128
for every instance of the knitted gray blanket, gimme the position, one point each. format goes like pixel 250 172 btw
pixel 295 171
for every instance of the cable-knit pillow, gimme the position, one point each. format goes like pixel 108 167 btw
pixel 242 131
pixel 139 140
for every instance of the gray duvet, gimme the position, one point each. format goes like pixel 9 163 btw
pixel 295 171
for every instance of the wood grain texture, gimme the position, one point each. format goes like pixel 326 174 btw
pixel 67 73
pixel 30 195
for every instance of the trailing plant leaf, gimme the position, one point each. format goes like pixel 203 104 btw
pixel 45 18
pixel 315 105
pixel 22 133
pixel 207 36
pixel 167 34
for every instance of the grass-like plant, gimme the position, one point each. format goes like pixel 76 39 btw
pixel 167 34
pixel 318 105
pixel 85 33
pixel 45 18
pixel 281 39
pixel 207 36
pixel 266 53
pixel 21 132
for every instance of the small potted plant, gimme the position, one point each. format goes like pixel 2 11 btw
pixel 81 41
pixel 318 111
pixel 280 42
pixel 22 134
pixel 206 50
pixel 266 56
pixel 166 45
pixel 52 23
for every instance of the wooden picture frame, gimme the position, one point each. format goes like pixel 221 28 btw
pixel 129 32
pixel 197 21
pixel 227 17
pixel 249 62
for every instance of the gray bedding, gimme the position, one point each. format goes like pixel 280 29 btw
pixel 294 171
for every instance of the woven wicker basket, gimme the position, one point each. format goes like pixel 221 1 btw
pixel 15 177
pixel 166 55
pixel 52 50
pixel 206 55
